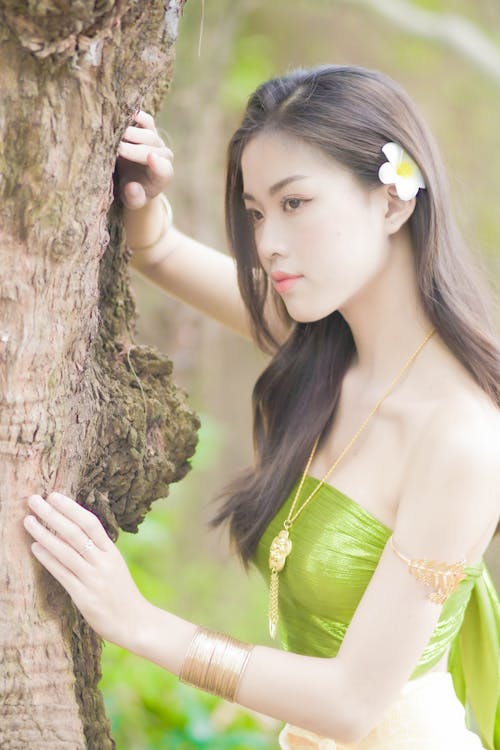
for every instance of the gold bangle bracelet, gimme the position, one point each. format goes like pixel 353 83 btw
pixel 215 663
pixel 149 254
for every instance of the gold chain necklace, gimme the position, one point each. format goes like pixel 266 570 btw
pixel 281 545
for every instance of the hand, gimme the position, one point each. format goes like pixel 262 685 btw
pixel 76 549
pixel 144 163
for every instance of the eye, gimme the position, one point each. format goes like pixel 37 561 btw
pixel 254 215
pixel 294 203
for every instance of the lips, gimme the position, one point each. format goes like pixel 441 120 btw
pixel 284 281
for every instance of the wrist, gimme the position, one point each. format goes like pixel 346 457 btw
pixel 146 232
pixel 161 637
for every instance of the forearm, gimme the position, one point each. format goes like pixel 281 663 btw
pixel 193 272
pixel 308 692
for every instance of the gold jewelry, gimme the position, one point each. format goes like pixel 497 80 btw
pixel 154 254
pixel 215 662
pixel 442 577
pixel 281 545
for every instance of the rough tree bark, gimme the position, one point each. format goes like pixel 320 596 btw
pixel 83 410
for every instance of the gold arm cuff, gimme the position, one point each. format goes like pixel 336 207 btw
pixel 152 253
pixel 215 663
pixel 442 577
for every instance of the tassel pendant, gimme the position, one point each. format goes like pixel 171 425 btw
pixel 273 604
pixel 280 549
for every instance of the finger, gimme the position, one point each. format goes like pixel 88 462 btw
pixel 59 549
pixel 62 527
pixel 81 517
pixel 139 152
pixel 145 120
pixel 142 135
pixel 160 166
pixel 133 195
pixel 65 577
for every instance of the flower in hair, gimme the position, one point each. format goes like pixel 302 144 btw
pixel 401 171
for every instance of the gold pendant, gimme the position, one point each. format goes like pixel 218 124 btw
pixel 280 549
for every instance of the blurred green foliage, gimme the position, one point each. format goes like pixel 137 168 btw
pixel 251 65
pixel 150 709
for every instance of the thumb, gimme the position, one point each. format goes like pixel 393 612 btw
pixel 133 195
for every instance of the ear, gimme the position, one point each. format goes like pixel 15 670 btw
pixel 397 211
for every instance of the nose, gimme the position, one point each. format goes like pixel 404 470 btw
pixel 269 244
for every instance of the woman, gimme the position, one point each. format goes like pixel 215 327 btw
pixel 350 271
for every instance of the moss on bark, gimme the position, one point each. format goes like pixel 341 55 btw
pixel 84 410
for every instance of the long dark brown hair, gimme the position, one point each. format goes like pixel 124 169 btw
pixel 348 113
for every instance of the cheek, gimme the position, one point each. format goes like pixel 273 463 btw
pixel 318 241
pixel 347 254
pixel 334 228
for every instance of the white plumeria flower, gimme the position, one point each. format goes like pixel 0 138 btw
pixel 294 738
pixel 400 171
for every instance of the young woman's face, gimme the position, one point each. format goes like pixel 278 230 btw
pixel 320 236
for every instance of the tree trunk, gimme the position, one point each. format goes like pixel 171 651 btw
pixel 83 410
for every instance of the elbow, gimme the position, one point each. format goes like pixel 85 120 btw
pixel 349 718
pixel 352 731
pixel 345 713
pixel 357 724
pixel 354 734
pixel 343 721
pixel 358 721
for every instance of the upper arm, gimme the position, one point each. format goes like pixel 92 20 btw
pixel 448 508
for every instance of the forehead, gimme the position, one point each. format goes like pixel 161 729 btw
pixel 269 157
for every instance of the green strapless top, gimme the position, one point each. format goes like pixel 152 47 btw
pixel 337 545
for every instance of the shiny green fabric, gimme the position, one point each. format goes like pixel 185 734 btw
pixel 336 547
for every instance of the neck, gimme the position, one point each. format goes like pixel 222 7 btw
pixel 387 319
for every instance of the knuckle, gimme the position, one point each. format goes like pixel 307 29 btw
pixel 93 524
pixel 75 539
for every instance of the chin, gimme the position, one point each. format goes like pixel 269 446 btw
pixel 309 317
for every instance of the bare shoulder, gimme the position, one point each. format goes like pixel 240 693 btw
pixel 463 422
pixel 450 502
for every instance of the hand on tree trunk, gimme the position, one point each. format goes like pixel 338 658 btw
pixel 144 163
pixel 73 545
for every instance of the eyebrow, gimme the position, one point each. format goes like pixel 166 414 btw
pixel 277 186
